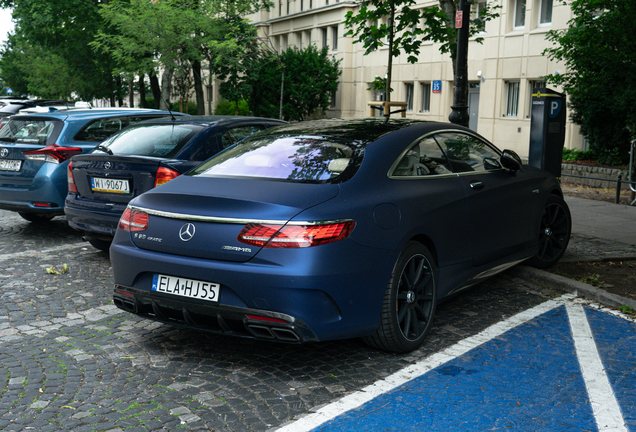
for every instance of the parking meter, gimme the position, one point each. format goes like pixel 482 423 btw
pixel 547 130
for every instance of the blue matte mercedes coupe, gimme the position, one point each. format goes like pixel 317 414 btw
pixel 334 229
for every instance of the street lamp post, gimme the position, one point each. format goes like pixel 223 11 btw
pixel 460 115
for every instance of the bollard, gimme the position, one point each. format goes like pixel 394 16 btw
pixel 618 189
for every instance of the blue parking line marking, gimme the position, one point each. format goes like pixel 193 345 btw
pixel 526 378
pixel 616 341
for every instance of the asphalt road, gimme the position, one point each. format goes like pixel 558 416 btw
pixel 71 361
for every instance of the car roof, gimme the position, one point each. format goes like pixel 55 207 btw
pixel 361 131
pixel 88 114
pixel 210 120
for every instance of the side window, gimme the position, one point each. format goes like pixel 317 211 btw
pixel 99 130
pixel 236 134
pixel 423 159
pixel 467 153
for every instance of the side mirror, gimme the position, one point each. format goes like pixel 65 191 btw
pixel 511 160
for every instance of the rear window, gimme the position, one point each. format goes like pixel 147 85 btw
pixel 164 140
pixel 300 158
pixel 30 131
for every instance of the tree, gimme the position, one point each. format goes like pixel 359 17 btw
pixel 150 36
pixel 395 24
pixel 599 51
pixel 311 78
pixel 49 49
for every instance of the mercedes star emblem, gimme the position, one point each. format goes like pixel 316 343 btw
pixel 186 232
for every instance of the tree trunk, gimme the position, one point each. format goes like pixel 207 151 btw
pixel 118 84
pixel 142 91
pixel 131 93
pixel 166 87
pixel 198 87
pixel 156 90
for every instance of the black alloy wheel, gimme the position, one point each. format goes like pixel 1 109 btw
pixel 554 233
pixel 409 302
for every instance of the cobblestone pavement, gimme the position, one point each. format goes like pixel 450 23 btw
pixel 71 361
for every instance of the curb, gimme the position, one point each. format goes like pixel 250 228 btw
pixel 572 286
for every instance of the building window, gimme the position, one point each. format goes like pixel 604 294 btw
pixel 311 4
pixel 333 100
pixel 426 97
pixel 479 11
pixel 545 12
pixel 300 40
pixel 409 87
pixel 324 38
pixel 309 38
pixel 288 1
pixel 512 107
pixel 302 6
pixel 520 14
pixel 335 38
pixel 379 96
pixel 280 8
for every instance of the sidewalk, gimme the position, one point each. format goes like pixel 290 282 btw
pixel 567 364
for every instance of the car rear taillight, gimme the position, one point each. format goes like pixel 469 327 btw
pixel 133 220
pixel 294 236
pixel 70 179
pixel 52 153
pixel 164 175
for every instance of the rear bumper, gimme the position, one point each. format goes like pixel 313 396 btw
pixel 46 186
pixel 227 320
pixel 327 292
pixel 94 217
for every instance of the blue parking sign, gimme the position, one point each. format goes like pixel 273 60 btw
pixel 437 86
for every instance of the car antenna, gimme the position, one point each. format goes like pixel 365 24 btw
pixel 169 110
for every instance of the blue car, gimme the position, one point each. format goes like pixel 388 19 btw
pixel 335 229
pixel 35 150
pixel 140 157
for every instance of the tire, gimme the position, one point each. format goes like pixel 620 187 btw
pixel 554 233
pixel 102 245
pixel 36 217
pixel 409 302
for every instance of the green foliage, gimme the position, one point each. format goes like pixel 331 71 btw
pixel 600 156
pixel 599 51
pixel 576 155
pixel 190 109
pixel 378 83
pixel 48 56
pixel 311 78
pixel 226 107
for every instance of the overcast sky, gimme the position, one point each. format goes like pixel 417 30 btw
pixel 5 24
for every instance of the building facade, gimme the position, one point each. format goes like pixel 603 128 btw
pixel 502 71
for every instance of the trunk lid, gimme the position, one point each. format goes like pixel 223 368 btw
pixel 201 217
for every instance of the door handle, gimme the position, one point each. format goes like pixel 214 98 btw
pixel 476 185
